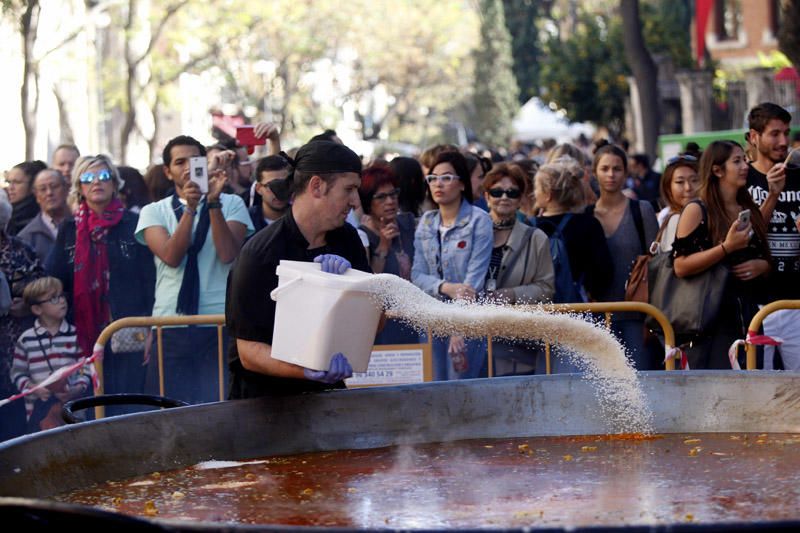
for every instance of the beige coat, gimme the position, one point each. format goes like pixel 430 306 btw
pixel 526 271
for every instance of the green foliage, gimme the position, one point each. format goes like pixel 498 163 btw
pixel 522 19
pixel 496 89
pixel 586 73
pixel 667 29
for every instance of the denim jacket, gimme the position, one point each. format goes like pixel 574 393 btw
pixel 463 255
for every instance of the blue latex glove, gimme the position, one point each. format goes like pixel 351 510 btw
pixel 332 263
pixel 340 369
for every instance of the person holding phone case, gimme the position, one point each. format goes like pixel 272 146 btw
pixel 774 184
pixel 194 239
pixel 710 231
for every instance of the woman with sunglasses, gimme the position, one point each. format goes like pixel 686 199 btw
pixel 680 184
pixel 709 231
pixel 520 268
pixel 106 274
pixel 452 248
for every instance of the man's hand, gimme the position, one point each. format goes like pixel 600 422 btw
pixel 332 263
pixel 776 179
pixel 267 130
pixel 216 183
pixel 339 369
pixel 192 194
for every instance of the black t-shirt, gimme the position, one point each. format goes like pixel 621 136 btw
pixel 782 235
pixel 249 310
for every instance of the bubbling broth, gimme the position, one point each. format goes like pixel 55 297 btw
pixel 537 481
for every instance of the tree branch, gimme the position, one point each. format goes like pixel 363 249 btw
pixel 171 10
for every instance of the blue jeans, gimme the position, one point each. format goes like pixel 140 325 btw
pixel 443 367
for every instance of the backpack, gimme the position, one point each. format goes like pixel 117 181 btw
pixel 567 289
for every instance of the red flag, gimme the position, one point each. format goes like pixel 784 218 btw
pixel 702 10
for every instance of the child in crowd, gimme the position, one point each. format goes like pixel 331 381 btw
pixel 41 350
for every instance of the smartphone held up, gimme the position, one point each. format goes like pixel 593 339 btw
pixel 198 172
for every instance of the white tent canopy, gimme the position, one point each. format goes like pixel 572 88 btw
pixel 535 121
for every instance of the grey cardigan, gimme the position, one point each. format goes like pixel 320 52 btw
pixel 526 271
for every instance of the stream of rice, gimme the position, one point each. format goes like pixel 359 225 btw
pixel 594 350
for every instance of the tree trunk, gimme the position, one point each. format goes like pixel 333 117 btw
pixel 644 72
pixel 131 64
pixel 29 105
pixel 789 34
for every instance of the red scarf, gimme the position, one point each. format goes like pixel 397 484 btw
pixel 90 292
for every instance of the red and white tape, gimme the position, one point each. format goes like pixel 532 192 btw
pixel 62 373
pixel 754 339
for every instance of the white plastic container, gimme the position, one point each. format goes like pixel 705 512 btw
pixel 319 314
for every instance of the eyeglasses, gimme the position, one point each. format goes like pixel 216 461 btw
pixel 381 196
pixel 443 178
pixel 683 157
pixel 102 176
pixel 513 194
pixel 58 298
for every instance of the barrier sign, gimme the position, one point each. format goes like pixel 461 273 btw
pixel 392 366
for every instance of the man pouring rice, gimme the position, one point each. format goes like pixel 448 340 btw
pixel 325 181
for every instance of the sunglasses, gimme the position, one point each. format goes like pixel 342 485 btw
pixel 58 298
pixel 381 196
pixel 102 176
pixel 510 193
pixel 685 157
pixel 443 178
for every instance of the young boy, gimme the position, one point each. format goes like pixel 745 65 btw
pixel 41 350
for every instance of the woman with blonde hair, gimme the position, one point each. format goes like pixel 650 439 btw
pixel 106 274
pixel 558 194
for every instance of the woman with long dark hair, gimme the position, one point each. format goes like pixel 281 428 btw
pixel 680 184
pixel 709 231
pixel 629 227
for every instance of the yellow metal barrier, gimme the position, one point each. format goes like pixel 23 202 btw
pixel 597 307
pixel 219 320
pixel 159 323
pixel 607 308
pixel 758 319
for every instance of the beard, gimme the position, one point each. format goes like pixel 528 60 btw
pixel 771 154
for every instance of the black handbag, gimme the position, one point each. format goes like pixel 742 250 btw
pixel 690 304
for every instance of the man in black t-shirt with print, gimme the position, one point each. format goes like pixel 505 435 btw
pixel 775 187
pixel 325 182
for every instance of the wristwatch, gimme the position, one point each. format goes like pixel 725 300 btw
pixel 214 205
pixel 378 255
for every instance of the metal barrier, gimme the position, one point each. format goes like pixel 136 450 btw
pixel 219 320
pixel 607 308
pixel 758 319
pixel 159 323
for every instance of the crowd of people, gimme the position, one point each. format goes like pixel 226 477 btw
pixel 84 242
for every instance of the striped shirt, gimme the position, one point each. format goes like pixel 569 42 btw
pixel 38 354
